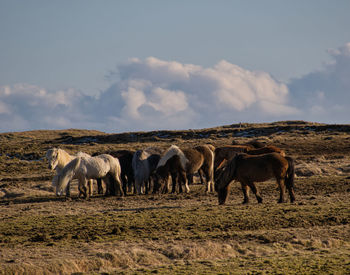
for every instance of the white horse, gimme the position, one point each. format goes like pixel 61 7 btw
pixel 57 159
pixel 86 168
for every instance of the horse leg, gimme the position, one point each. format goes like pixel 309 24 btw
pixel 99 186
pixel 245 190
pixel 107 182
pixel 282 188
pixel 124 182
pixel 255 191
pixel 166 187
pixel 138 186
pixel 148 185
pixel 200 173
pixel 185 179
pixel 174 180
pixel 119 185
pixel 190 179
pixel 91 187
pixel 68 190
pixel 82 188
pixel 209 179
pixel 291 193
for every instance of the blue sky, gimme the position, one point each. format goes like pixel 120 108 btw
pixel 146 65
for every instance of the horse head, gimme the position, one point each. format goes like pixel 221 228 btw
pixel 52 158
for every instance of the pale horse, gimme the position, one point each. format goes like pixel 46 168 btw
pixel 86 168
pixel 57 159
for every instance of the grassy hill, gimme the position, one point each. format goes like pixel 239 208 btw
pixel 178 233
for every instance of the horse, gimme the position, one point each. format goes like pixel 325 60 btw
pixel 144 162
pixel 229 151
pixel 208 165
pixel 180 164
pixel 127 173
pixel 85 168
pixel 248 169
pixel 57 159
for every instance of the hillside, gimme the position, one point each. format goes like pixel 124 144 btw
pixel 178 233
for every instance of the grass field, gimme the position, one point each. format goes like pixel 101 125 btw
pixel 178 233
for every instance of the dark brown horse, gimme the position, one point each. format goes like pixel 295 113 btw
pixel 250 169
pixel 127 174
pixel 180 164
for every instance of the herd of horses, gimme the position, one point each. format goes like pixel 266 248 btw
pixel 157 171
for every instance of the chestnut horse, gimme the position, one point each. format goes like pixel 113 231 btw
pixel 249 169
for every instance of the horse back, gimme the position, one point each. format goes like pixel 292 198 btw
pixel 266 150
pixel 208 155
pixel 195 160
pixel 261 167
pixel 125 158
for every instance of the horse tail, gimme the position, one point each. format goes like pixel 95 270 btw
pixel 67 174
pixel 289 178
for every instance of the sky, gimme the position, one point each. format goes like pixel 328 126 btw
pixel 118 66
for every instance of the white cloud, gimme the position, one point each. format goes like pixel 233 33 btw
pixel 152 94
pixel 25 107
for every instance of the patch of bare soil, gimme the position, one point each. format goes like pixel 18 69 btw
pixel 178 233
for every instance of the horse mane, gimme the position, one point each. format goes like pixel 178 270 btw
pixel 172 151
pixel 67 174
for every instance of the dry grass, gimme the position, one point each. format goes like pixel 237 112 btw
pixel 182 233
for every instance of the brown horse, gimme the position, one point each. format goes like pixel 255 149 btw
pixel 180 164
pixel 250 169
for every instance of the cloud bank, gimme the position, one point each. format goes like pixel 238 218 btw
pixel 324 95
pixel 154 94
